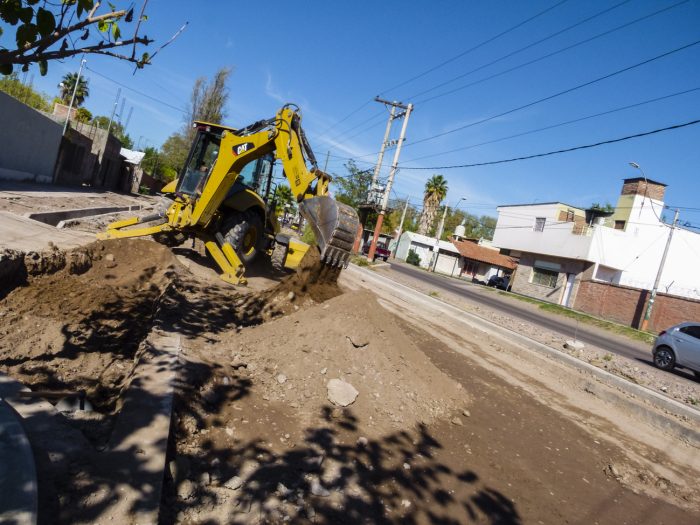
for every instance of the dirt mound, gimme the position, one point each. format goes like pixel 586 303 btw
pixel 352 339
pixel 80 331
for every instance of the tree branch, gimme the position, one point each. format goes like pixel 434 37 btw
pixel 99 49
pixel 54 37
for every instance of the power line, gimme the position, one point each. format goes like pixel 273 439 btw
pixel 567 150
pixel 558 94
pixel 553 126
pixel 520 50
pixel 146 95
pixel 538 59
pixel 474 48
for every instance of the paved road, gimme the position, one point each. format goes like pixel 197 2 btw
pixel 525 312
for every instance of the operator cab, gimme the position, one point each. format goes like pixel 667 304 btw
pixel 255 175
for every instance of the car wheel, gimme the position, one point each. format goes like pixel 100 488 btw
pixel 664 358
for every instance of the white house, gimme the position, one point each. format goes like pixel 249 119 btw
pixel 563 249
pixel 448 259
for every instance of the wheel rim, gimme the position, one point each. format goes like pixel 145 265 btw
pixel 663 358
pixel 249 240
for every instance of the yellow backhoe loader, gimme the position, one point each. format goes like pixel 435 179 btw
pixel 224 196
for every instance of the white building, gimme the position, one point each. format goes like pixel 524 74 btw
pixel 562 247
pixel 448 260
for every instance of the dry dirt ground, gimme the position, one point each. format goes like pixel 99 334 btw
pixel 428 435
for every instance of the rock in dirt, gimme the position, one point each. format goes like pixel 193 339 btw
pixel 186 489
pixel 574 345
pixel 341 393
pixel 281 379
pixel 457 421
pixel 234 483
pixel 319 490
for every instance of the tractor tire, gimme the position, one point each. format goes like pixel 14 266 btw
pixel 279 255
pixel 245 232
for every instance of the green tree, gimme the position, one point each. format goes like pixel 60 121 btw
pixel 435 191
pixel 117 130
pixel 13 86
pixel 352 188
pixel 284 196
pixel 174 151
pixel 45 31
pixel 83 115
pixel 67 86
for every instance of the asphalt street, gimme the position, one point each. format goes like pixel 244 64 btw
pixel 527 313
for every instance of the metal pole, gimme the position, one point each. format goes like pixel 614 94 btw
pixel 650 304
pixel 400 230
pixel 111 118
pixel 387 190
pixel 72 99
pixel 436 246
pixel 325 166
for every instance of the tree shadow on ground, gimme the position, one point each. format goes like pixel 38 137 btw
pixel 333 476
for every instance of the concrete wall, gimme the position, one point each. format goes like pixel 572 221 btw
pixel 626 305
pixel 29 142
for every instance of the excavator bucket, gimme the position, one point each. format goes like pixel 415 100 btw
pixel 335 226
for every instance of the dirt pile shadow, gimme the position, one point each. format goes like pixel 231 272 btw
pixel 333 476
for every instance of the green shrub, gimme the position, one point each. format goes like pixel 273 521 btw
pixel 413 258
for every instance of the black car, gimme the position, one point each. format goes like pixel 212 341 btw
pixel 502 283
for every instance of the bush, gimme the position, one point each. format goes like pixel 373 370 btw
pixel 413 258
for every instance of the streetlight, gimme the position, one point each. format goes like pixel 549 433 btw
pixel 652 295
pixel 436 246
pixel 72 99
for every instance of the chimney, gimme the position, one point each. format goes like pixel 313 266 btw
pixel 641 186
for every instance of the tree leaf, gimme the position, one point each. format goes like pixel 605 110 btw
pixel 116 32
pixel 43 67
pixel 6 69
pixel 45 21
pixel 26 34
pixel 102 26
pixel 26 14
pixel 129 15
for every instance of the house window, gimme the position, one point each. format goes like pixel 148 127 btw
pixel 544 277
pixel 539 224
pixel 619 225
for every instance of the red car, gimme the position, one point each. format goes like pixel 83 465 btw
pixel 380 253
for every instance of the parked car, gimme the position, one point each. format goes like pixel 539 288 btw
pixel 502 283
pixel 678 346
pixel 381 252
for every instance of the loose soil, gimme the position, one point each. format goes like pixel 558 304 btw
pixel 432 437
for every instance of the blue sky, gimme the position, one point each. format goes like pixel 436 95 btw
pixel 332 58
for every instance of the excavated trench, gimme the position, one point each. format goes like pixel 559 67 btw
pixel 74 323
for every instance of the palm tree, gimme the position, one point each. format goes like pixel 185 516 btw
pixel 68 84
pixel 435 191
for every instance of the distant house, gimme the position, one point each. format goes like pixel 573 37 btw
pixel 604 263
pixel 479 262
pixel 448 255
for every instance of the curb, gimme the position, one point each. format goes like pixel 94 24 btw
pixel 19 500
pixel 55 218
pixel 673 408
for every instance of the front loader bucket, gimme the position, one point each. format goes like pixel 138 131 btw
pixel 335 227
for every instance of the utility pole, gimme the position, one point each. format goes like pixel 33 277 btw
pixel 72 99
pixel 400 230
pixel 392 174
pixel 650 304
pixel 377 169
pixel 436 246
pixel 325 166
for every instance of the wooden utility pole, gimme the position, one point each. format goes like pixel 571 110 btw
pixel 392 174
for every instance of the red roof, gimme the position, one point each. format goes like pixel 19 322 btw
pixel 475 252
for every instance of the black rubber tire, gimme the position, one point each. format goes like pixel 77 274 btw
pixel 664 358
pixel 245 232
pixel 279 255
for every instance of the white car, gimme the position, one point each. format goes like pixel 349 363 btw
pixel 678 346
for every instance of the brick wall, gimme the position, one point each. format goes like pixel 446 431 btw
pixel 641 187
pixel 626 305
